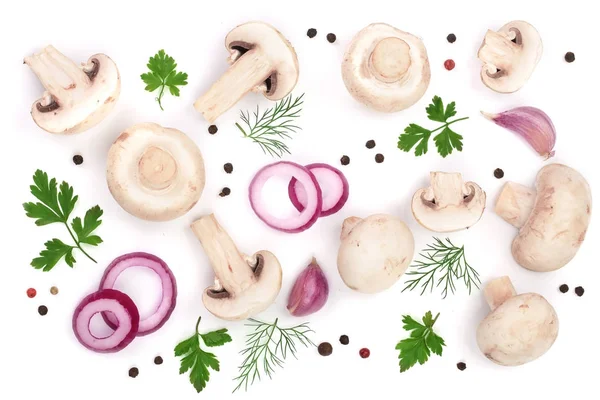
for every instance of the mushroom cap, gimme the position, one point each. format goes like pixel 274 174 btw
pixel 89 107
pixel 520 330
pixel 155 173
pixel 374 252
pixel 448 205
pixel 558 223
pixel 510 56
pixel 257 297
pixel 385 68
pixel 275 47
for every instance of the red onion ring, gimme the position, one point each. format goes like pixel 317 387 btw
pixel 334 186
pixel 118 304
pixel 169 289
pixel 294 224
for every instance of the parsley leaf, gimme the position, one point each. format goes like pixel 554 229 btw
pixel 162 74
pixel 198 361
pixel 421 343
pixel 446 141
pixel 56 206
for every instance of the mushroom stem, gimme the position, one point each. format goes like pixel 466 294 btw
pixel 446 189
pixel 231 269
pixel 390 60
pixel 59 75
pixel 497 50
pixel 498 291
pixel 348 225
pixel 515 203
pixel 244 75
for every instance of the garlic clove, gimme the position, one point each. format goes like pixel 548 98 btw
pixel 530 123
pixel 310 291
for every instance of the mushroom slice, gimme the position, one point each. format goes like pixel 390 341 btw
pixel 76 98
pixel 262 61
pixel 244 286
pixel 510 56
pixel 385 68
pixel 155 173
pixel 520 328
pixel 449 204
pixel 552 219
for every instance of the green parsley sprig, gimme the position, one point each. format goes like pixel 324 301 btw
pixel 56 206
pixel 422 341
pixel 162 75
pixel 445 141
pixel 196 360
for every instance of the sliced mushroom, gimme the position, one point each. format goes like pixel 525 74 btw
pixel 552 219
pixel 385 68
pixel 155 173
pixel 520 328
pixel 449 204
pixel 262 60
pixel 244 286
pixel 76 98
pixel 510 56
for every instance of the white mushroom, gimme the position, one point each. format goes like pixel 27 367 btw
pixel 449 204
pixel 510 56
pixel 76 98
pixel 520 328
pixel 262 60
pixel 552 219
pixel 244 286
pixel 385 68
pixel 374 252
pixel 155 173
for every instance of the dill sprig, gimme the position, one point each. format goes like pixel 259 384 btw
pixel 273 126
pixel 268 347
pixel 447 259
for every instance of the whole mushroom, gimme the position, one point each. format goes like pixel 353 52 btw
pixel 385 68
pixel 76 98
pixel 262 61
pixel 510 56
pixel 155 173
pixel 448 204
pixel 520 328
pixel 374 252
pixel 244 285
pixel 552 219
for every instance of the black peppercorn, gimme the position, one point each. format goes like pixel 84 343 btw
pixel 225 192
pixel 311 33
pixel 345 160
pixel 158 360
pixel 579 291
pixel 370 144
pixel 569 57
pixel 42 310
pixel 325 349
pixel 331 37
pixel 498 173
pixel 77 159
pixel 228 168
pixel 379 158
pixel 212 129
pixel 344 339
pixel 134 372
pixel 564 288
pixel 461 366
pixel 451 38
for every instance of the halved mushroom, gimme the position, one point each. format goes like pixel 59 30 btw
pixel 449 204
pixel 520 328
pixel 76 98
pixel 510 56
pixel 244 285
pixel 385 68
pixel 155 173
pixel 262 60
pixel 552 219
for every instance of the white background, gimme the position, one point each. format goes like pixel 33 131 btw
pixel 39 356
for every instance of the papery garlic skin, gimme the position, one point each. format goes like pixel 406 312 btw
pixel 310 291
pixel 530 123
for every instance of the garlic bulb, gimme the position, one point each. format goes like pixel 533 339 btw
pixel 310 291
